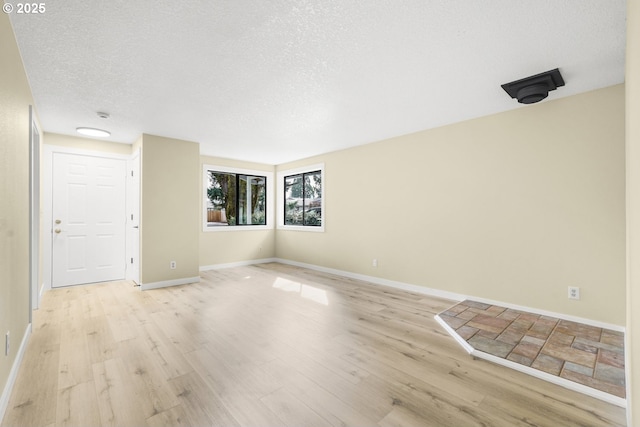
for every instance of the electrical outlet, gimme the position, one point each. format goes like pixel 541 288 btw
pixel 172 265
pixel 374 263
pixel 7 344
pixel 574 292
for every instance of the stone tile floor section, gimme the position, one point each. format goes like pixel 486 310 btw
pixel 581 353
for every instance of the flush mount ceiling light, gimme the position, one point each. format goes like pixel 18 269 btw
pixel 93 132
pixel 535 88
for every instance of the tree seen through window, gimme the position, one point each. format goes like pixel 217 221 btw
pixel 236 199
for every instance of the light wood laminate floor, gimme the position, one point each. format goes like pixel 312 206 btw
pixel 269 345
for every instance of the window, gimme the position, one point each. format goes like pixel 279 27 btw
pixel 301 199
pixel 235 198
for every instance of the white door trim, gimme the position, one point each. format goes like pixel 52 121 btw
pixel 35 138
pixel 47 192
pixel 132 235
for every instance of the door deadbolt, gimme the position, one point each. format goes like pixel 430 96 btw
pixel 58 221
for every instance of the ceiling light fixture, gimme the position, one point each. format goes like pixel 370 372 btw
pixel 93 132
pixel 535 88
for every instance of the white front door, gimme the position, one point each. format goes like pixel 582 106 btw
pixel 88 219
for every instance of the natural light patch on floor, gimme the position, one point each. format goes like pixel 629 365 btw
pixel 306 291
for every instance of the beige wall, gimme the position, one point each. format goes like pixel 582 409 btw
pixel 80 143
pixel 513 207
pixel 633 211
pixel 137 145
pixel 170 217
pixel 225 247
pixel 15 98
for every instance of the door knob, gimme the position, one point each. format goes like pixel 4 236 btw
pixel 57 230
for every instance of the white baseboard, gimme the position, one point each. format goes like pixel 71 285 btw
pixel 8 388
pixel 421 290
pixel 377 280
pixel 580 388
pixel 167 283
pixel 237 264
pixel 450 295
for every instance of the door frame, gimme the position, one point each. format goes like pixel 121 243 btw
pixel 35 143
pixel 132 265
pixel 47 190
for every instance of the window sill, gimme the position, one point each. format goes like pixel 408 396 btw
pixel 222 228
pixel 301 228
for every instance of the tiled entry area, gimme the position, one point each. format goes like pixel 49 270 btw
pixel 584 354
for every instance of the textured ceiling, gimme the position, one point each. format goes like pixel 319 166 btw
pixel 274 81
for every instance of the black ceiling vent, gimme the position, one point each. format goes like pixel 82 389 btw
pixel 535 88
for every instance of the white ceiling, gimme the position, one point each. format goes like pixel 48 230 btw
pixel 278 80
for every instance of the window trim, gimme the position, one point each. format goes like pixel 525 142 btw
pixel 237 171
pixel 280 198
